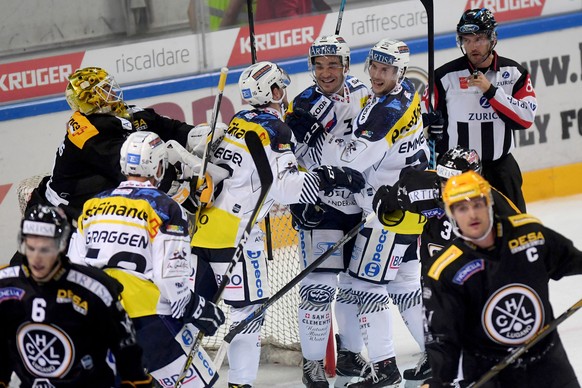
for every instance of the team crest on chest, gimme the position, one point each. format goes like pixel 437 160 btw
pixel 46 350
pixel 513 315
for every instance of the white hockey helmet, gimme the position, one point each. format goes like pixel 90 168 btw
pixel 94 90
pixel 141 155
pixel 256 83
pixel 329 45
pixel 390 52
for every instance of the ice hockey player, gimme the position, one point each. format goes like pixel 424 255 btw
pixel 139 235
pixel 419 192
pixel 60 321
pixel 220 227
pixel 87 161
pixel 487 293
pixel 332 103
pixel 387 141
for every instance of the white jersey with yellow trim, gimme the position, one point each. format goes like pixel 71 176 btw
pixel 222 225
pixel 337 114
pixel 139 229
pixel 387 140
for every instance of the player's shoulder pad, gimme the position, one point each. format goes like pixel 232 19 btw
pixel 354 84
pixel 523 219
pixel 403 222
pixel 10 271
pixel 95 281
pixel 445 258
pixel 81 128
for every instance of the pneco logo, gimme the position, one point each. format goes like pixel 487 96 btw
pixel 513 314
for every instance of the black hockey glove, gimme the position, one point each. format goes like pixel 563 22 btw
pixel 331 177
pixel 306 215
pixel 384 202
pixel 204 314
pixel 305 126
pixel 435 124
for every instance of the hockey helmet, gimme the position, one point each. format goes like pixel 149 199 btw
pixel 457 161
pixel 44 221
pixel 93 90
pixel 256 83
pixel 141 155
pixel 469 185
pixel 390 52
pixel 329 45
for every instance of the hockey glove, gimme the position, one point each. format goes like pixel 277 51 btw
pixel 434 125
pixel 305 126
pixel 306 215
pixel 331 177
pixel 204 314
pixel 384 201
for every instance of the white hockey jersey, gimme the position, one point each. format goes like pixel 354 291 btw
pixel 222 225
pixel 388 139
pixel 337 114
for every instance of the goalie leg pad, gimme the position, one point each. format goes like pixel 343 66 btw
pixel 244 352
pixel 317 292
pixel 375 319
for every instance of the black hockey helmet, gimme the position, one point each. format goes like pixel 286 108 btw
pixel 44 221
pixel 475 21
pixel 457 161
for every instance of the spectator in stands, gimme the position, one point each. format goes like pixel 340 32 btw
pixel 269 10
pixel 221 14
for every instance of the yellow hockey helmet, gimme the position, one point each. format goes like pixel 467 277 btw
pixel 466 186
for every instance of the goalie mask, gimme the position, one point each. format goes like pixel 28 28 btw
pixel 457 161
pixel 256 83
pixel 144 154
pixel 390 52
pixel 93 90
pixel 44 221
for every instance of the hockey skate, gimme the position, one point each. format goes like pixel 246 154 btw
pixel 348 365
pixel 314 374
pixel 381 374
pixel 421 372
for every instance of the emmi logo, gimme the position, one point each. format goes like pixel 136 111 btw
pixel 68 296
pixel 526 241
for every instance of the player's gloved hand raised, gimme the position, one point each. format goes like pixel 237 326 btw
pixel 434 125
pixel 204 314
pixel 331 177
pixel 305 126
pixel 384 202
pixel 306 215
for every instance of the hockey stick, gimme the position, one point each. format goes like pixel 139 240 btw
pixel 267 218
pixel 219 358
pixel 208 145
pixel 263 167
pixel 429 8
pixel 340 16
pixel 518 352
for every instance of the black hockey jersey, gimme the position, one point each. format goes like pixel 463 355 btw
pixel 420 192
pixel 57 334
pixel 87 161
pixel 485 302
